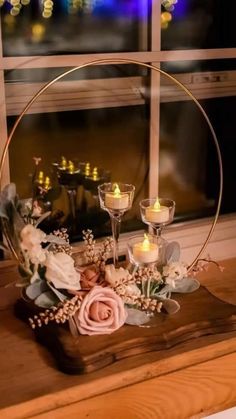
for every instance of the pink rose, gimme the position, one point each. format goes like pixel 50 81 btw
pixel 88 278
pixel 102 312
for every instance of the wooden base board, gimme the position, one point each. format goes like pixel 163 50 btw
pixel 201 314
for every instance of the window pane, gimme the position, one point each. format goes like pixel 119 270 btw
pixel 213 83
pixel 189 170
pixel 103 122
pixel 91 26
pixel 199 24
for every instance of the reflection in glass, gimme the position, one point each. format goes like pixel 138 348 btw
pixel 188 162
pixel 200 24
pixel 98 137
pixel 91 26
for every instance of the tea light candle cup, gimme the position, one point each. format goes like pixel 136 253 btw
pixel 116 197
pixel 116 200
pixel 143 249
pixel 157 212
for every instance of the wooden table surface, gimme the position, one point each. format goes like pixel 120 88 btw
pixel 193 379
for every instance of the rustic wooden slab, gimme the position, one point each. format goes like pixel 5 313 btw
pixel 201 314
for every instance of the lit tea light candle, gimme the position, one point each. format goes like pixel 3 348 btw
pixel 71 167
pixel 47 183
pixel 145 252
pixel 157 213
pixel 95 174
pixel 87 169
pixel 116 200
pixel 40 178
pixel 63 164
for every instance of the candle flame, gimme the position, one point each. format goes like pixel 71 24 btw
pixel 95 173
pixel 47 183
pixel 87 169
pixel 71 167
pixel 63 163
pixel 117 190
pixel 146 243
pixel 157 205
pixel 40 177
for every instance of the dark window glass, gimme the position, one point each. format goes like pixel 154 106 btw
pixel 91 26
pixel 189 170
pixel 194 24
pixel 113 140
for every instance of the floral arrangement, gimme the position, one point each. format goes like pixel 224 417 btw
pixel 96 298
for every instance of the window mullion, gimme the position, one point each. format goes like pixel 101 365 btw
pixel 155 102
pixel 3 119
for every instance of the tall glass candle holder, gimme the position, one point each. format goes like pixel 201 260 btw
pixel 116 199
pixel 157 212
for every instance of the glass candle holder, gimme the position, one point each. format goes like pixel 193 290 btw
pixel 143 249
pixel 157 213
pixel 116 199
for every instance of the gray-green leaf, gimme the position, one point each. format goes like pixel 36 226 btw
pixel 172 253
pixel 36 289
pixel 171 306
pixel 186 285
pixel 136 317
pixel 46 300
pixel 43 217
pixel 58 293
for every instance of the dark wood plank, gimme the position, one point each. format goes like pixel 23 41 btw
pixel 201 314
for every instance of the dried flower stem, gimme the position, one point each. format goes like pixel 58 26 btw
pixel 100 257
pixel 59 314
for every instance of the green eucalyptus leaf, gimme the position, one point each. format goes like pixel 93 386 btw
pixel 37 288
pixel 46 300
pixel 170 306
pixel 186 285
pixel 43 217
pixel 10 192
pixel 136 317
pixel 163 292
pixel 58 293
pixel 172 252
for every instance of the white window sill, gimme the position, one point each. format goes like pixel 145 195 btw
pixel 191 237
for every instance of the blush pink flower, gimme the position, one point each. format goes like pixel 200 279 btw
pixel 102 312
pixel 88 278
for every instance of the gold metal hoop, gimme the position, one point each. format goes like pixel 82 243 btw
pixel 151 67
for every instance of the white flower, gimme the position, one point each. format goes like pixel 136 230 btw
pixel 31 239
pixel 60 271
pixel 174 271
pixel 114 276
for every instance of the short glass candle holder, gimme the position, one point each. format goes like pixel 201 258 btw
pixel 116 199
pixel 143 249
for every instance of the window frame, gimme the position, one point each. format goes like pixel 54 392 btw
pixel 156 57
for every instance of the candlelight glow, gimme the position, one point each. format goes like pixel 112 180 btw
pixel 40 178
pixel 95 173
pixel 157 205
pixel 146 243
pixel 71 167
pixel 47 183
pixel 117 191
pixel 87 169
pixel 63 163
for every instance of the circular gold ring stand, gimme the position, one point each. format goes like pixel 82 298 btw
pixel 151 67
